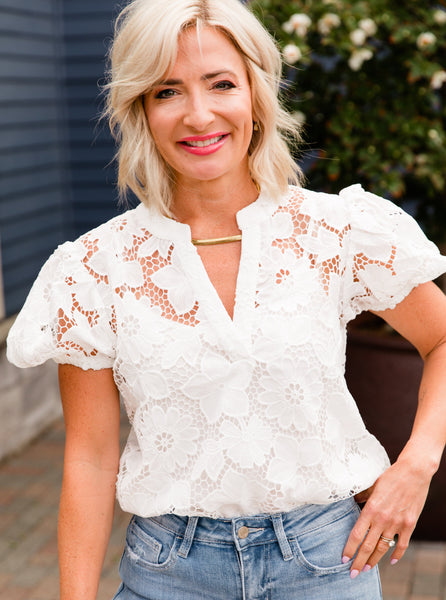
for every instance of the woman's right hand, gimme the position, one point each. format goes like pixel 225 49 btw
pixel 91 411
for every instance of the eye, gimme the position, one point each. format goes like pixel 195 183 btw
pixel 224 85
pixel 166 93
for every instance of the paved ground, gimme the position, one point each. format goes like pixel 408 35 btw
pixel 29 484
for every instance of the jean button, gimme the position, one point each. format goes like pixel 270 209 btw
pixel 243 532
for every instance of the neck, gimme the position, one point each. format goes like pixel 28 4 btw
pixel 211 211
pixel 213 202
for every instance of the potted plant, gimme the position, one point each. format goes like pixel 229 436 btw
pixel 368 81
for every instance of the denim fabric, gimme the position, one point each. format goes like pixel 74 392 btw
pixel 296 555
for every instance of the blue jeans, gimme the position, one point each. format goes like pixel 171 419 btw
pixel 291 556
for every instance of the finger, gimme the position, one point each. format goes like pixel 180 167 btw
pixel 401 547
pixel 381 548
pixel 372 545
pixel 356 537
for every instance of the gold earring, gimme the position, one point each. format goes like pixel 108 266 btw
pixel 256 126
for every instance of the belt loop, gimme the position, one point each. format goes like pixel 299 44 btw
pixel 281 537
pixel 188 537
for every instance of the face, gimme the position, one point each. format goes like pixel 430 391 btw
pixel 200 115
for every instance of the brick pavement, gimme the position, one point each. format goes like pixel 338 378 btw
pixel 30 483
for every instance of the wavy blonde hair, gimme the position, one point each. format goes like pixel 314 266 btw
pixel 144 49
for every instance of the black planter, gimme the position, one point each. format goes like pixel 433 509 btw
pixel 383 374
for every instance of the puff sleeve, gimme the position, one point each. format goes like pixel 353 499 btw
pixel 388 254
pixel 68 315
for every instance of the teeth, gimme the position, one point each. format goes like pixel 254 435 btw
pixel 204 143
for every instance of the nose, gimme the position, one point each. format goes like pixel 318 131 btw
pixel 199 114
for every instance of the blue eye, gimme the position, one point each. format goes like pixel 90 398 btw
pixel 167 93
pixel 224 85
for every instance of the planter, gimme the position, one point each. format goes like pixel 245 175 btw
pixel 383 373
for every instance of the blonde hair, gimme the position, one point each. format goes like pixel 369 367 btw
pixel 145 49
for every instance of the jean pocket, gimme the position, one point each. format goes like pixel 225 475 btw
pixel 320 550
pixel 150 545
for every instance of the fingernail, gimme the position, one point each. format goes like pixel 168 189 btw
pixel 366 568
pixel 393 561
pixel 354 573
pixel 345 560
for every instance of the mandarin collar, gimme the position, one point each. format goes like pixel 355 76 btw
pixel 168 229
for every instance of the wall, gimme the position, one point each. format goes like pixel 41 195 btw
pixel 55 183
pixel 35 194
pixel 88 29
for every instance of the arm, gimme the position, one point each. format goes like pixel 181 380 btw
pixel 91 412
pixel 395 501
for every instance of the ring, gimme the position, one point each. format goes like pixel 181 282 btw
pixel 390 541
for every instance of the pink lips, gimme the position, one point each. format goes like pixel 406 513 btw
pixel 202 145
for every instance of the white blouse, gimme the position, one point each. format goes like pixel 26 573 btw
pixel 231 416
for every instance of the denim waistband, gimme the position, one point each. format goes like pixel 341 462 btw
pixel 251 530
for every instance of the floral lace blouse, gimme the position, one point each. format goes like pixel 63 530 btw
pixel 231 416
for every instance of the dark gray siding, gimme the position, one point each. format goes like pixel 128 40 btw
pixel 34 191
pixel 87 32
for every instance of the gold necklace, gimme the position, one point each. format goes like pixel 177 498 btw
pixel 223 240
pixel 214 241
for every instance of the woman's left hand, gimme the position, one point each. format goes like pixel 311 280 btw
pixel 394 503
pixel 392 507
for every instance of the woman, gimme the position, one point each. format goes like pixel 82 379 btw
pixel 218 308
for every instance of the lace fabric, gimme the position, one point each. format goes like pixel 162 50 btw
pixel 231 416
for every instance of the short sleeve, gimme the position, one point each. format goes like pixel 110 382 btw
pixel 388 254
pixel 68 315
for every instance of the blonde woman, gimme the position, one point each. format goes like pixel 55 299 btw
pixel 217 309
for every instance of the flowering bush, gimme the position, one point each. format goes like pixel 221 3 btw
pixel 368 79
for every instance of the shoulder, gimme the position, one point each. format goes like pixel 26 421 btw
pixel 95 254
pixel 353 207
pixel 110 237
pixel 316 206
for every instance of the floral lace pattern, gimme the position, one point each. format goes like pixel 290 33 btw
pixel 231 416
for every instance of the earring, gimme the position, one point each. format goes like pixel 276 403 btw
pixel 255 126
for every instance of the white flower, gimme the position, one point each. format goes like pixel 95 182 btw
pixel 180 342
pixel 220 387
pixel 290 455
pixel 292 54
pixel 283 468
pixel 210 460
pixel 287 281
pixel 239 494
pixel 328 22
pixel 247 444
pixel 440 17
pixel 309 452
pixel 292 399
pixel 130 325
pixel 153 244
pixel 438 79
pixel 169 437
pixel 301 23
pixel 179 290
pixel 288 27
pixel 368 26
pixel 299 117
pixel 358 37
pixel 358 57
pixel 336 3
pixel 426 39
pixel 434 136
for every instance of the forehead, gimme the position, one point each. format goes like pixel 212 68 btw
pixel 207 49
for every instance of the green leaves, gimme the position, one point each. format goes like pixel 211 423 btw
pixel 371 82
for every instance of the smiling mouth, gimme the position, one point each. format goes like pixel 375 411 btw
pixel 204 143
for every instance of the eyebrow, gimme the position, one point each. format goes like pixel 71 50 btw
pixel 203 77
